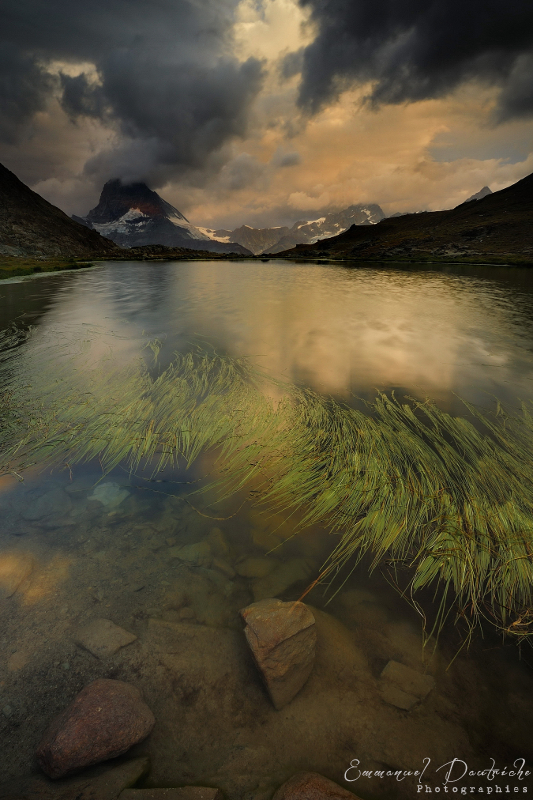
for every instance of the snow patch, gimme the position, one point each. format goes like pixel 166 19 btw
pixel 209 233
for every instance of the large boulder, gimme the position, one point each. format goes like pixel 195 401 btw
pixel 282 638
pixel 103 721
pixel 312 786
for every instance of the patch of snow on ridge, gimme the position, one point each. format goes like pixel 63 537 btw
pixel 121 225
pixel 210 234
pixel 194 232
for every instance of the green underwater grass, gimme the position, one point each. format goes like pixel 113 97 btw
pixel 444 503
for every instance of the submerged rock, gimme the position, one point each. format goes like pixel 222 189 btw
pixel 14 569
pixel 218 543
pixel 103 638
pixel 311 786
pixel 103 721
pixel 55 503
pixel 109 494
pixel 282 578
pixel 282 638
pixel 194 555
pixel 181 793
pixel 224 567
pixel 256 567
pixel 97 783
pixel 403 687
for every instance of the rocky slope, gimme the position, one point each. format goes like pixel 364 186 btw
pixel 30 226
pixel 498 226
pixel 257 240
pixel 132 215
pixel 275 240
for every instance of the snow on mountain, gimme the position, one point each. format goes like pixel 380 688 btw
pixel 216 236
pixel 132 215
pixel 276 239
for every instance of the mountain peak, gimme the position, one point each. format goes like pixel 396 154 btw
pixel 480 195
pixel 118 198
pixel 132 215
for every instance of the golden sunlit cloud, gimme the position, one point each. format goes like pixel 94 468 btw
pixel 282 165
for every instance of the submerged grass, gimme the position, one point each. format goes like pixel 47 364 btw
pixel 445 503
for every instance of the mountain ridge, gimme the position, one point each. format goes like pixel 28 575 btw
pixel 498 225
pixel 262 241
pixel 31 226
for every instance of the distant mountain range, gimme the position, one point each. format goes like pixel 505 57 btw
pixel 132 215
pixel 275 240
pixel 487 226
pixel 492 225
pixel 30 226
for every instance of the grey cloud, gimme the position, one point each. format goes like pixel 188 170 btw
pixel 291 159
pixel 82 98
pixel 23 85
pixel 417 49
pixel 167 79
pixel 516 99
pixel 291 64
pixel 241 172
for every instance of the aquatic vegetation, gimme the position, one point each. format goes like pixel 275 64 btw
pixel 445 502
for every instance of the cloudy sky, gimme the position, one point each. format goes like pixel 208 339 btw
pixel 267 111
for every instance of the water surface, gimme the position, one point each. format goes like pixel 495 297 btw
pixel 340 330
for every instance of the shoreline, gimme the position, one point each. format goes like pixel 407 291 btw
pixel 20 267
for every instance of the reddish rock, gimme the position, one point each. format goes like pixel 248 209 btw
pixel 282 638
pixel 312 786
pixel 103 721
pixel 181 793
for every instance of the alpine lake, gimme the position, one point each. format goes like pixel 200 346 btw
pixel 179 440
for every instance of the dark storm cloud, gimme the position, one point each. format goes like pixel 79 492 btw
pixel 162 71
pixel 23 85
pixel 418 49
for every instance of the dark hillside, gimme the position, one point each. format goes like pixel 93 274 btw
pixel 30 226
pixel 496 227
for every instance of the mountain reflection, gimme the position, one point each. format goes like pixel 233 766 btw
pixel 337 330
